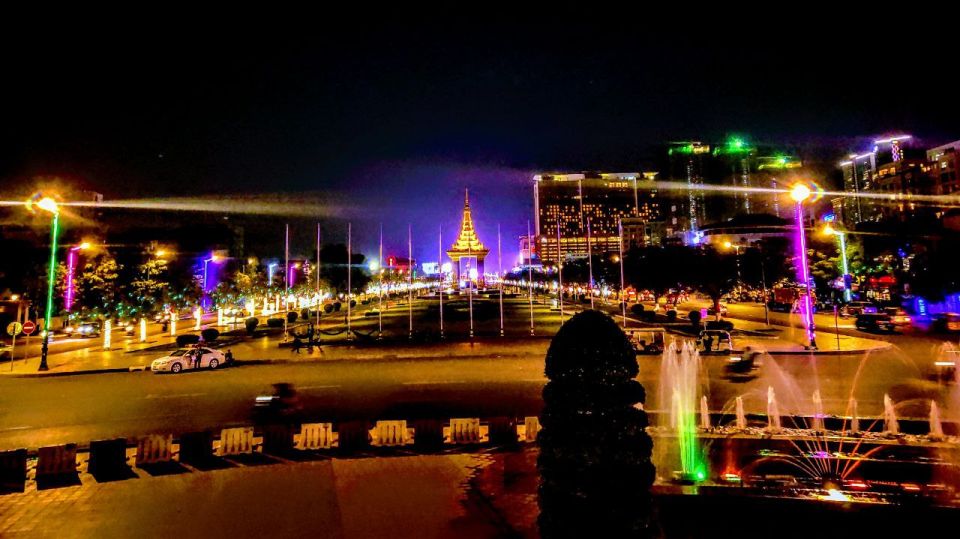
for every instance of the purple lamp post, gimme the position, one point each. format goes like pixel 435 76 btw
pixel 800 193
pixel 215 259
pixel 71 269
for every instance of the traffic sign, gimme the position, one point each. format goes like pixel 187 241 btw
pixel 29 327
pixel 14 328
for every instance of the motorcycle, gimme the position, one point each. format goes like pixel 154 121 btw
pixel 282 405
pixel 744 366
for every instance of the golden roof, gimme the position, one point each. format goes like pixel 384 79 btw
pixel 467 242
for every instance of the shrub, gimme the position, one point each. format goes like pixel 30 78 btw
pixel 328 308
pixel 251 324
pixel 637 309
pixel 353 303
pixel 672 315
pixel 187 339
pixel 275 322
pixel 336 306
pixel 305 313
pixel 594 462
pixel 722 325
pixel 695 317
pixel 291 317
pixel 209 334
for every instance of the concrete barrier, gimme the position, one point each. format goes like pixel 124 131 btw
pixel 236 441
pixel 390 433
pixel 316 436
pixel 13 470
pixel 428 434
pixel 463 431
pixel 354 435
pixel 154 449
pixel 277 439
pixel 503 430
pixel 196 447
pixel 57 461
pixel 530 428
pixel 108 457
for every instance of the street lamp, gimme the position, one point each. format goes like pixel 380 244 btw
pixel 213 258
pixel 800 193
pixel 49 205
pixel 830 231
pixel 71 268
pixel 270 269
pixel 729 245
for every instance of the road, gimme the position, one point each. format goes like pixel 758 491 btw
pixel 40 411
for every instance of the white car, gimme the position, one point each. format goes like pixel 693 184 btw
pixel 183 360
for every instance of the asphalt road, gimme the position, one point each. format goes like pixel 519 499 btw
pixel 41 411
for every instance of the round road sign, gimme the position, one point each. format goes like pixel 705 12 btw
pixel 14 328
pixel 29 327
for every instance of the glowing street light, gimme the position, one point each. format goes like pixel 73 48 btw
pixel 213 258
pixel 48 205
pixel 842 236
pixel 800 193
pixel 270 269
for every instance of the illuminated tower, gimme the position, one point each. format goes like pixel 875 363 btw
pixel 739 155
pixel 468 246
pixel 686 164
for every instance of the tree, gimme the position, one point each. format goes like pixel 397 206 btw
pixel 149 286
pixel 594 463
pixel 714 274
pixel 657 269
pixel 333 267
pixel 97 288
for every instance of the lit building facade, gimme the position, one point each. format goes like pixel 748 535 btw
pixel 572 209
pixel 944 164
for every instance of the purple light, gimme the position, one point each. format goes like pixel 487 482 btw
pixel 71 266
pixel 291 274
pixel 806 306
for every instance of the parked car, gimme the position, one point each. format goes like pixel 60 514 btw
pixel 183 359
pixel 855 308
pixel 898 316
pixel 83 329
pixel 712 311
pixel 946 322
pixel 875 322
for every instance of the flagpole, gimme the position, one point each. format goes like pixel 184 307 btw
pixel 410 272
pixel 530 274
pixel 440 283
pixel 623 299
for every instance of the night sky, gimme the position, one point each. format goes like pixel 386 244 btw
pixel 395 118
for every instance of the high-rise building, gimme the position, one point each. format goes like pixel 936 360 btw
pixel 860 179
pixel 944 162
pixel 572 208
pixel 686 164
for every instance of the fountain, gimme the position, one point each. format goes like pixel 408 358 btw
pixel 741 417
pixel 890 425
pixel 817 412
pixel 704 413
pixel 936 427
pixel 854 418
pixel 679 386
pixel 773 411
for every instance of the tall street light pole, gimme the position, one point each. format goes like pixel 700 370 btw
pixel 49 205
pixel 71 269
pixel 842 236
pixel 800 193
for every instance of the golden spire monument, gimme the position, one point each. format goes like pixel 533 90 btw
pixel 468 245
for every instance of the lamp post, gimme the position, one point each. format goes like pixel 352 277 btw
pixel 800 193
pixel 270 269
pixel 49 205
pixel 213 258
pixel 830 231
pixel 71 269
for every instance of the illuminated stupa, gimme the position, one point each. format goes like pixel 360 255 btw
pixel 468 247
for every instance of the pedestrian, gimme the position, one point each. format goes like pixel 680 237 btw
pixel 297 343
pixel 707 343
pixel 197 356
pixel 228 357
